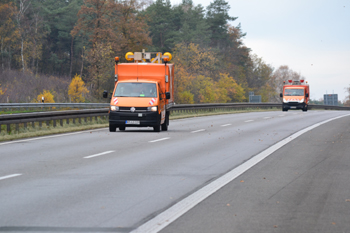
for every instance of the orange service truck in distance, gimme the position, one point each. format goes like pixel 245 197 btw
pixel 295 95
pixel 143 92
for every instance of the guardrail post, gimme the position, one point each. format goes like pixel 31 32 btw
pixel 54 123
pixel 47 123
pixel 8 128
pixel 25 125
pixel 61 122
pixel 67 121
pixel 33 124
pixel 79 120
pixel 40 124
pixel 73 121
pixel 17 127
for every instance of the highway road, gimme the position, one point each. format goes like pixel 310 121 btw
pixel 196 177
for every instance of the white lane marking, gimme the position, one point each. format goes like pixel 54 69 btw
pixel 196 131
pixel 170 215
pixel 281 115
pixel 267 117
pixel 52 136
pixel 249 120
pixel 9 176
pixel 95 155
pixel 158 140
pixel 226 125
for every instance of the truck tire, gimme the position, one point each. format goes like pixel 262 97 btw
pixel 112 128
pixel 305 109
pixel 284 109
pixel 158 126
pixel 122 128
pixel 166 122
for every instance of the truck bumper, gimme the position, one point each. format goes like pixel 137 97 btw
pixel 134 119
pixel 292 105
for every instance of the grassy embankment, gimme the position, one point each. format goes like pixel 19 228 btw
pixel 45 129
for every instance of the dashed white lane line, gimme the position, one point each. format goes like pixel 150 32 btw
pixel 168 216
pixel 9 176
pixel 226 125
pixel 249 121
pixel 281 115
pixel 196 131
pixel 95 155
pixel 158 140
pixel 267 117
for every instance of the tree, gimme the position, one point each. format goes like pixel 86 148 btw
pixel 9 34
pixel 217 19
pixel 347 98
pixel 77 90
pixel 48 97
pixel 229 90
pixel 162 26
pixel 283 73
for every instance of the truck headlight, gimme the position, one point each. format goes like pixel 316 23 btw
pixel 284 100
pixel 114 108
pixel 152 109
pixel 301 101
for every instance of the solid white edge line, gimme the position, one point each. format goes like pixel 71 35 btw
pixel 95 155
pixel 267 117
pixel 226 125
pixel 249 121
pixel 158 140
pixel 170 215
pixel 9 176
pixel 52 136
pixel 196 131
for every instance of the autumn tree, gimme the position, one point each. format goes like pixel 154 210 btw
pixel 77 90
pixel 283 73
pixel 9 34
pixel 347 98
pixel 48 97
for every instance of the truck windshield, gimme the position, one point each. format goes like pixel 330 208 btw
pixel 294 92
pixel 136 90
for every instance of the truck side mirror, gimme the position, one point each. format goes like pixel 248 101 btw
pixel 281 95
pixel 105 94
pixel 160 96
pixel 167 95
pixel 307 95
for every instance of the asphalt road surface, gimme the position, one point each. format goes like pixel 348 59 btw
pixel 97 181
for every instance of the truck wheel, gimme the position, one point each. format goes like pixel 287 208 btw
pixel 121 128
pixel 284 109
pixel 157 127
pixel 112 128
pixel 166 122
pixel 305 109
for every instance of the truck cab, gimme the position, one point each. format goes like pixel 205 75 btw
pixel 143 92
pixel 295 95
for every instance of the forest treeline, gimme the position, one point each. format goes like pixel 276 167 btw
pixel 65 49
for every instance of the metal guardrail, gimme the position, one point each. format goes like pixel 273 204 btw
pixel 51 105
pixel 102 110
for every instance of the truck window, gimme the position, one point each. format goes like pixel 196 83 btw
pixel 136 90
pixel 294 92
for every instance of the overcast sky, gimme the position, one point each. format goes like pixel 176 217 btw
pixel 312 37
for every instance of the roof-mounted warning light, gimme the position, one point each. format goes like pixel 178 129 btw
pixel 290 81
pixel 129 56
pixel 301 80
pixel 116 59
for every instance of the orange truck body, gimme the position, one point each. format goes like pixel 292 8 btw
pixel 142 97
pixel 295 96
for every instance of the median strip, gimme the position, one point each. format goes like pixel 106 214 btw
pixel 103 153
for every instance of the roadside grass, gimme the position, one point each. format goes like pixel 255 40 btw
pixel 102 122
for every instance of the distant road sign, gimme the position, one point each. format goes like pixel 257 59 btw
pixel 255 99
pixel 330 99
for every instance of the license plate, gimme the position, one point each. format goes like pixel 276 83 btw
pixel 293 107
pixel 132 122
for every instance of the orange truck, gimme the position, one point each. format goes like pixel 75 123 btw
pixel 143 93
pixel 295 95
